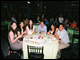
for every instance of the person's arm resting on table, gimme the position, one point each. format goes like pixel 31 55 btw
pixel 45 31
pixel 56 35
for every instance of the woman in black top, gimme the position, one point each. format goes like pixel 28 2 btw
pixel 21 29
pixel 52 30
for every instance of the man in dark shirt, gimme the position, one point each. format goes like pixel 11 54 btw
pixel 66 24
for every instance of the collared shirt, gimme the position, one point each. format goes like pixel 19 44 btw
pixel 63 35
pixel 44 29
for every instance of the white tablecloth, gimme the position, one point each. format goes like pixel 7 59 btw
pixel 50 44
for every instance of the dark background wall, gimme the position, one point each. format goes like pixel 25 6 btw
pixel 69 9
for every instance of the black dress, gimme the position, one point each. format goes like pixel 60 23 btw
pixel 19 29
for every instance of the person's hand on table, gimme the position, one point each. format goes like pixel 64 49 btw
pixel 48 33
pixel 59 41
pixel 33 32
pixel 42 32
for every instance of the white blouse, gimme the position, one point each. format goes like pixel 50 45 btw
pixel 30 31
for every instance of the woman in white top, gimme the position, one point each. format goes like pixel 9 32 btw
pixel 30 29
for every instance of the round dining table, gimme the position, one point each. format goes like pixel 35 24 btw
pixel 49 42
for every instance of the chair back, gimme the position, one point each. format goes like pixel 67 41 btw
pixel 35 50
pixel 75 36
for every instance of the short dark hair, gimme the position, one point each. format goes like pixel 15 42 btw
pixel 42 21
pixel 61 24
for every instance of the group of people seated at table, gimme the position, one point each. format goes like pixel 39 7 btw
pixel 16 34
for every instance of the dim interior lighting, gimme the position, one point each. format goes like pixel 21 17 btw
pixel 28 2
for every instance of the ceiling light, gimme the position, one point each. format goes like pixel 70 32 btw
pixel 28 2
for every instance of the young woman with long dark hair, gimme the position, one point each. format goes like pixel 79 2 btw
pixel 30 29
pixel 52 30
pixel 21 29
pixel 13 38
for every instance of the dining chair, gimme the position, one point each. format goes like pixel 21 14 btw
pixel 11 56
pixel 75 46
pixel 75 36
pixel 35 52
pixel 11 51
